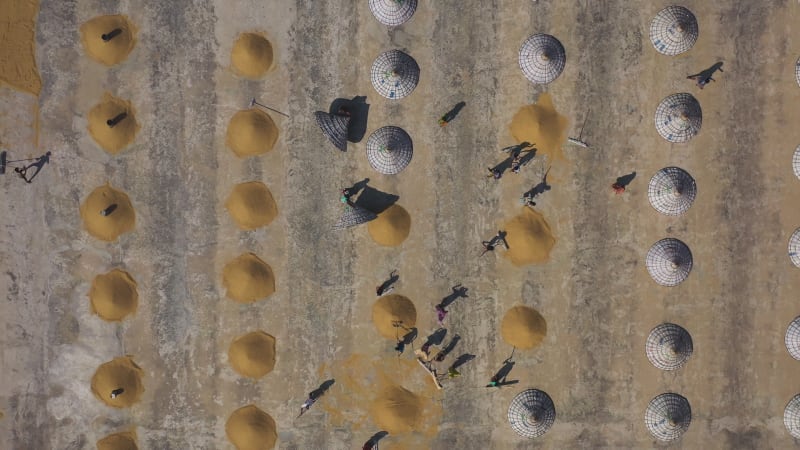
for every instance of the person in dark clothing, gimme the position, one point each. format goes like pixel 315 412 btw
pixel 516 163
pixel 488 246
pixel 441 313
pixel 527 200
pixel 307 404
pixel 705 77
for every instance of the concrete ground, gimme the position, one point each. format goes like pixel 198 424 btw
pixel 595 292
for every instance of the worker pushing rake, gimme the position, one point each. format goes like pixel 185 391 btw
pixel 22 170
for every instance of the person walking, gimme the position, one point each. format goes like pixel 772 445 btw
pixel 424 352
pixel 499 378
pixel 495 382
pixel 516 163
pixel 450 115
pixel 380 290
pixel 488 246
pixel 494 173
pixel 307 404
pixel 452 372
pixel 500 237
pixel 706 76
pixel 345 198
pixel 527 200
pixel 441 313
pixel 407 339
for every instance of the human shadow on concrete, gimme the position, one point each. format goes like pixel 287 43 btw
pixel 322 389
pixel 385 287
pixel 357 187
pixel 453 113
pixel 436 337
pixel 410 336
pixel 502 374
pixel 625 180
pixel 447 349
pixel 374 200
pixel 540 188
pixel 459 291
pixel 524 160
pixel 38 165
pixel 500 237
pixel 527 157
pixel 514 150
pixel 358 110
pixel 462 359
pixel 407 339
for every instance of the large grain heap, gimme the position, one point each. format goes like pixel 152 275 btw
pixel 392 315
pixel 252 55
pixel 253 354
pixel 251 132
pixel 247 279
pixel 114 296
pixel 250 428
pixel 397 410
pixel 119 373
pixel 107 213
pixel 118 441
pixel 251 205
pixel 112 123
pixel 523 327
pixel 391 227
pixel 541 125
pixel 529 238
pixel 108 39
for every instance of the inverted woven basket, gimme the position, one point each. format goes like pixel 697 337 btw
pixel 394 74
pixel 542 58
pixel 393 12
pixel 668 416
pixel 389 150
pixel 668 346
pixel 673 30
pixel 671 191
pixel 669 262
pixel 531 413
pixel 679 117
